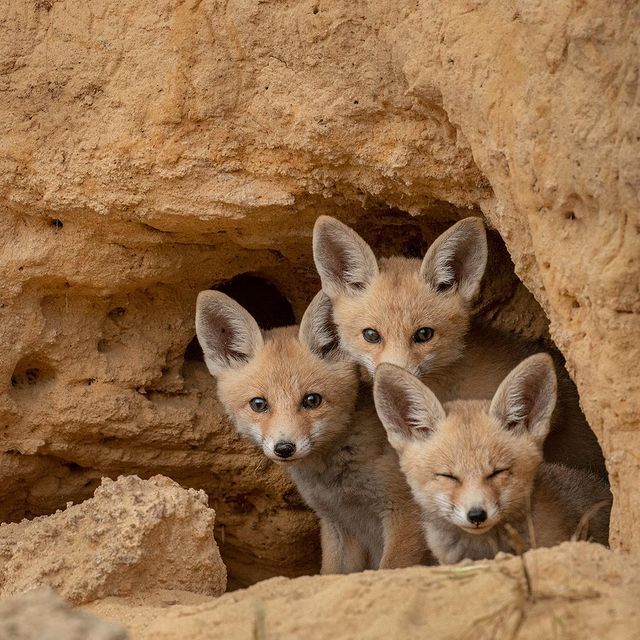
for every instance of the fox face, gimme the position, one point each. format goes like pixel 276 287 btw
pixel 286 389
pixel 402 311
pixel 473 465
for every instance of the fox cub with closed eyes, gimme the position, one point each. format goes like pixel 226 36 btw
pixel 417 314
pixel 292 392
pixel 475 467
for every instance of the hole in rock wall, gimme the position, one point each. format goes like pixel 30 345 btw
pixel 259 297
pixel 31 373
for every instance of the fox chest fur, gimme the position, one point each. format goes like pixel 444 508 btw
pixel 352 484
pixel 295 395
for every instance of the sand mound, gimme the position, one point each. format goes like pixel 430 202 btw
pixel 133 536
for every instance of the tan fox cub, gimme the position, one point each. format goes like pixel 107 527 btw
pixel 292 393
pixel 476 466
pixel 417 315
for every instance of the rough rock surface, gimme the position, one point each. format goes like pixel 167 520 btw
pixel 43 615
pixel 578 590
pixel 133 536
pixel 549 105
pixel 152 149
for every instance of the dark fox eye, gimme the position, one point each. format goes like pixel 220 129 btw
pixel 497 472
pixel 259 405
pixel 371 335
pixel 424 334
pixel 449 476
pixel 311 401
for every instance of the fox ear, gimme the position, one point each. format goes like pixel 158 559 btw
pixel 407 408
pixel 526 398
pixel 343 259
pixel 457 259
pixel 227 332
pixel 317 329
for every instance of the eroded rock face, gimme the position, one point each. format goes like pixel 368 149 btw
pixel 546 94
pixel 134 536
pixel 150 150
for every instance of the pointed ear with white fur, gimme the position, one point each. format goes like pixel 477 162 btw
pixel 457 259
pixel 227 332
pixel 526 398
pixel 317 329
pixel 343 259
pixel 407 408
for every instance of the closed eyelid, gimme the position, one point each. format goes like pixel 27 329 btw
pixel 450 476
pixel 498 470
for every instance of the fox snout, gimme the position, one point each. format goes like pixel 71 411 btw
pixel 475 511
pixel 395 356
pixel 400 358
pixel 285 445
pixel 284 449
pixel 476 515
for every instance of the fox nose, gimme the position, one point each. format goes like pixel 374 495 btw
pixel 476 515
pixel 284 449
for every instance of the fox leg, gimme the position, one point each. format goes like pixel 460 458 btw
pixel 341 553
pixel 331 548
pixel 355 555
pixel 404 543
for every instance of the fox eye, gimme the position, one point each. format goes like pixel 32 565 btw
pixel 424 334
pixel 311 401
pixel 449 476
pixel 497 472
pixel 371 335
pixel 259 405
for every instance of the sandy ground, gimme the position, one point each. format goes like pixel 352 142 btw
pixel 577 590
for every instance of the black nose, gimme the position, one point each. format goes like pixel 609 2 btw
pixel 284 449
pixel 476 515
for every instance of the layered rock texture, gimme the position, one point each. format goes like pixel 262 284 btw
pixel 149 150
pixel 133 537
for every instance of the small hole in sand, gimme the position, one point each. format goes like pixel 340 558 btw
pixel 31 372
pixel 118 312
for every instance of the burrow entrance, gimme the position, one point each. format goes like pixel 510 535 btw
pixel 148 405
pixel 261 298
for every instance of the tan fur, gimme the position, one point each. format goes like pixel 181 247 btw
pixel 396 304
pixel 470 440
pixel 343 465
pixel 397 296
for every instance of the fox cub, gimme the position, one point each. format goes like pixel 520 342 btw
pixel 476 467
pixel 291 392
pixel 417 315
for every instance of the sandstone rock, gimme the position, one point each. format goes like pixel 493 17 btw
pixel 133 536
pixel 545 94
pixel 152 149
pixel 43 615
pixel 578 590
